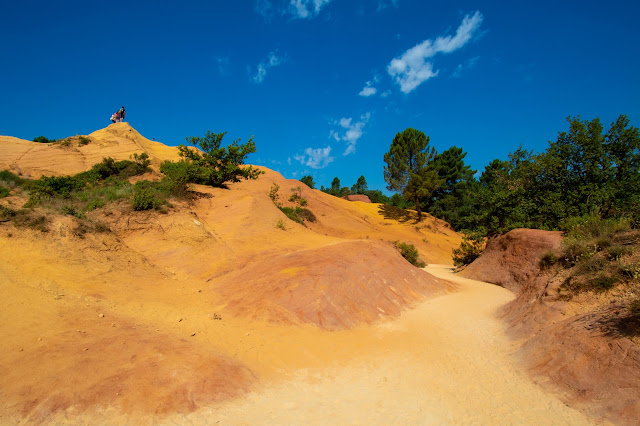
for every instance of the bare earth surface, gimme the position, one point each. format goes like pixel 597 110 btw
pixel 214 313
pixel 446 362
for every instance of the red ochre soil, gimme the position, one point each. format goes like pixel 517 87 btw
pixel 573 347
pixel 173 312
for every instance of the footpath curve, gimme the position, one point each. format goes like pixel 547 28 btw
pixel 446 362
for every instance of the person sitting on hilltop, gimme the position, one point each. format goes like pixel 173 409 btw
pixel 113 117
pixel 122 114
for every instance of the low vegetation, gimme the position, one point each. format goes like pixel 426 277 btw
pixel 297 212
pixel 473 243
pixel 410 253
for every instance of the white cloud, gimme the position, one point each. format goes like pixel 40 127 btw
pixel 368 90
pixel 317 158
pixel 412 68
pixel 297 9
pixel 467 65
pixel 272 61
pixel 306 8
pixel 382 4
pixel 353 132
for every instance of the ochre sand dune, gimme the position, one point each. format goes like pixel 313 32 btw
pixel 126 324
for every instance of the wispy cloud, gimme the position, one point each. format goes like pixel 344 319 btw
pixel 383 4
pixel 466 65
pixel 273 60
pixel 297 9
pixel 223 63
pixel 413 68
pixel 307 8
pixel 351 133
pixel 317 158
pixel 368 90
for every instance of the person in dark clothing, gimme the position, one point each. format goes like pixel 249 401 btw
pixel 122 113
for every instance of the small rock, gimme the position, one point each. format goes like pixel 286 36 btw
pixel 85 349
pixel 193 334
pixel 179 319
pixel 101 315
pixel 113 324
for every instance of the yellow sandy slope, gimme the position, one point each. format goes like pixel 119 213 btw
pixel 172 312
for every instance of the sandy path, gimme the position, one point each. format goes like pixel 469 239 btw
pixel 446 362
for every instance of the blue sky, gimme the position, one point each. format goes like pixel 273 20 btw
pixel 323 85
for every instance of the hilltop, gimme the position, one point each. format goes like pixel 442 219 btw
pixel 182 296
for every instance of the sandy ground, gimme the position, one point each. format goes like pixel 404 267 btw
pixel 446 362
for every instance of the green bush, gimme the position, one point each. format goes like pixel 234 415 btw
pixel 548 259
pixel 470 249
pixel 616 252
pixel 292 214
pixel 306 214
pixel 10 178
pixel 178 175
pixel 4 192
pixel 410 253
pixel 83 140
pixel 602 283
pixel 42 139
pixel 55 186
pixel 144 199
pixel 216 165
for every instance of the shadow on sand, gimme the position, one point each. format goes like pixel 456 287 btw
pixel 396 213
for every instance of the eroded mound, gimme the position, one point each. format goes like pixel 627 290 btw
pixel 512 259
pixel 575 346
pixel 334 287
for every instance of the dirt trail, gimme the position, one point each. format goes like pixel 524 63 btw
pixel 446 362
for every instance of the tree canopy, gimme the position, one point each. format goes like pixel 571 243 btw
pixel 215 165
pixel 407 167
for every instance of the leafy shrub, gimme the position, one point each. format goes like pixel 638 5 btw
pixel 24 218
pixel 616 252
pixel 292 214
pixel 4 192
pixel 629 270
pixel 593 226
pixel 71 211
pixel 548 259
pixel 144 199
pixel 306 214
pixel 602 283
pixel 470 249
pixel 142 161
pixel 592 264
pixel 410 253
pixel 574 251
pixel 83 140
pixel 178 175
pixel 273 194
pixel 42 139
pixel 59 186
pixel 280 225
pixel 215 165
pixel 10 178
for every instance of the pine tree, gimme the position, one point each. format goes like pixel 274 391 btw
pixel 406 169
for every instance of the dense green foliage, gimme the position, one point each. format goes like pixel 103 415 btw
pixel 408 168
pixel 308 180
pixel 410 252
pixel 213 164
pixel 42 139
pixel 471 247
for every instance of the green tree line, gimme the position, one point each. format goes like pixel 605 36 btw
pixel 587 170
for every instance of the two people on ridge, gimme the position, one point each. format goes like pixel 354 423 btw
pixel 118 116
